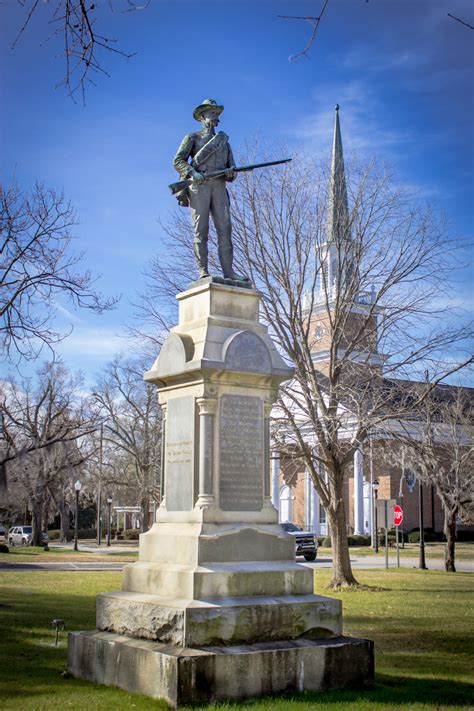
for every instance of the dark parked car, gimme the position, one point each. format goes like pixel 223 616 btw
pixel 305 541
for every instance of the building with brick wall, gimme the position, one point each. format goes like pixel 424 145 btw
pixel 380 458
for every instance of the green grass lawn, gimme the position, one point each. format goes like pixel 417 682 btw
pixel 421 621
pixel 34 554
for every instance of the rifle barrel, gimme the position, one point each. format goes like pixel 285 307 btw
pixel 182 184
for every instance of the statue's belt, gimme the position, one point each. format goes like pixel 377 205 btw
pixel 209 149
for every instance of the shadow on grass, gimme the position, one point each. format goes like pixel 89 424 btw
pixel 388 692
pixel 425 661
pixel 359 588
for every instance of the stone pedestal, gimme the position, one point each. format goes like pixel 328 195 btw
pixel 216 606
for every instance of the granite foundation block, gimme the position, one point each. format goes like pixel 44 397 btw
pixel 183 676
pixel 194 623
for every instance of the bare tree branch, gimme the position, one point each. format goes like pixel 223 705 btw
pixel 458 19
pixel 84 46
pixel 37 266
pixel 314 22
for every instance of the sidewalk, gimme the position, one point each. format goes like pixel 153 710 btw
pixel 367 562
pixel 89 546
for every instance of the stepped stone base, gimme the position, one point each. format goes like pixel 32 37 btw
pixel 218 579
pixel 216 607
pixel 188 676
pixel 228 621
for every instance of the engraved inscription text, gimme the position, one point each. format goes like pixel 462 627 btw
pixel 241 453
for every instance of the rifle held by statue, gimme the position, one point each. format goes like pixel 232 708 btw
pixel 182 184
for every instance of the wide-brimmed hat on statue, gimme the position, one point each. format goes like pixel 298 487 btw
pixel 207 105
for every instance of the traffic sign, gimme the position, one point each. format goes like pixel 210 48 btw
pixel 385 512
pixel 397 515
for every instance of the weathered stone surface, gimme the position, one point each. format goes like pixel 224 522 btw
pixel 142 616
pixel 194 623
pixel 245 351
pixel 180 454
pixel 174 354
pixel 190 676
pixel 193 544
pixel 210 315
pixel 218 579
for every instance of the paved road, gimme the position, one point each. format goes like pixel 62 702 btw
pixel 366 562
pixel 101 565
pixel 362 562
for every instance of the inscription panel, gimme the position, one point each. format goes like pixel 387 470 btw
pixel 241 453
pixel 179 454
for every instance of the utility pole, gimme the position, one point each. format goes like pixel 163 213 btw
pixel 422 560
pixel 77 488
pixel 99 493
pixel 375 487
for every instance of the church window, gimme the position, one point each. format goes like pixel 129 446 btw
pixel 319 331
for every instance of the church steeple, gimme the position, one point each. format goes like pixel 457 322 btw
pixel 338 212
pixel 335 255
pixel 339 297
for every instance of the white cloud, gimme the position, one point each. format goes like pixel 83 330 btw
pixel 98 343
pixel 363 122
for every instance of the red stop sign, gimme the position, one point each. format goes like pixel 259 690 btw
pixel 397 515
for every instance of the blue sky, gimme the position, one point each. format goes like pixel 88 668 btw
pixel 400 70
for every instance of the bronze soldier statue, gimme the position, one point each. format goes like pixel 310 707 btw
pixel 199 155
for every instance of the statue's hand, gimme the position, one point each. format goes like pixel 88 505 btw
pixel 197 177
pixel 230 174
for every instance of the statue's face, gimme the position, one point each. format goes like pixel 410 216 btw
pixel 210 119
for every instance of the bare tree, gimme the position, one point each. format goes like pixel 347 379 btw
pixel 438 443
pixel 352 298
pixel 132 425
pixel 75 23
pixel 37 265
pixel 45 426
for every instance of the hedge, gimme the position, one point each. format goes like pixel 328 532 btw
pixel 360 540
pixel 430 536
pixel 356 540
pixel 87 533
pixel 465 536
pixel 131 534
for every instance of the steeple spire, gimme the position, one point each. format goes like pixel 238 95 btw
pixel 338 213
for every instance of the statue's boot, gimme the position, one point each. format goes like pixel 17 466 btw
pixel 226 258
pixel 200 252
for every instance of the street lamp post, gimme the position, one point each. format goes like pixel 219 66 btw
pixel 109 518
pixel 422 561
pixel 77 487
pixel 375 487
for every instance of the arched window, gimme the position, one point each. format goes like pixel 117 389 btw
pixel 286 504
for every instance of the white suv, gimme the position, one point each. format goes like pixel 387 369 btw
pixel 20 536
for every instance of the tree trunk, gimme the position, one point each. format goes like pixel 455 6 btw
pixel 341 571
pixel 450 533
pixel 36 510
pixel 145 513
pixel 64 520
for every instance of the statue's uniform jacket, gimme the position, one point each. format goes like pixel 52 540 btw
pixel 208 153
